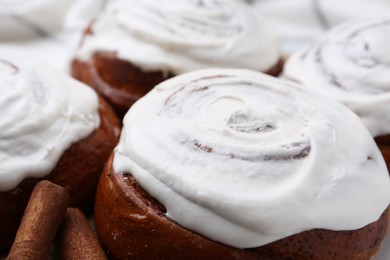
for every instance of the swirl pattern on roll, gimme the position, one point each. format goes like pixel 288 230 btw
pixel 352 64
pixel 255 156
pixel 179 36
pixel 42 113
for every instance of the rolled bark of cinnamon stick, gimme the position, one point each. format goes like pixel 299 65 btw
pixel 75 238
pixel 41 219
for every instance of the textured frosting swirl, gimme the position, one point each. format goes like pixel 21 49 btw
pixel 178 36
pixel 255 156
pixel 42 113
pixel 352 64
pixel 21 19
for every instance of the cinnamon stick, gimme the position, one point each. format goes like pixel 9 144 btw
pixel 40 221
pixel 75 238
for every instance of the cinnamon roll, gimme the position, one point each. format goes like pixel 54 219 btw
pixel 300 21
pixel 51 127
pixel 233 164
pixel 134 45
pixel 352 64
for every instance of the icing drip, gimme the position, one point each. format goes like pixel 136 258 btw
pixel 178 36
pixel 352 64
pixel 41 114
pixel 254 155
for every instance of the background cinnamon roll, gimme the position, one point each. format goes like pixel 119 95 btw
pixel 352 64
pixel 51 127
pixel 23 20
pixel 134 45
pixel 234 164
pixel 300 21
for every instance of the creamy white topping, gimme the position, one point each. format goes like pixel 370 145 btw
pixel 255 156
pixel 21 19
pixel 299 21
pixel 42 113
pixel 352 64
pixel 44 39
pixel 178 36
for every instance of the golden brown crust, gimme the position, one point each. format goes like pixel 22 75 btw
pixel 122 83
pixel 383 140
pixel 130 223
pixel 276 69
pixel 78 171
pixel 383 143
pixel 385 149
pixel 118 81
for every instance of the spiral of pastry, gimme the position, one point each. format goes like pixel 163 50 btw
pixel 254 155
pixel 42 113
pixel 179 36
pixel 351 64
pixel 21 20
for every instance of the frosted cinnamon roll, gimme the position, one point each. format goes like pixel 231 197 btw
pixel 352 64
pixel 234 164
pixel 134 45
pixel 51 127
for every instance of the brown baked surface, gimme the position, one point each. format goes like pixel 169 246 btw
pixel 78 171
pixel 383 143
pixel 131 224
pixel 122 83
pixel 118 81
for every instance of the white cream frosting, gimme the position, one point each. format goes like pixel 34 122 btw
pixel 352 64
pixel 255 156
pixel 22 20
pixel 42 113
pixel 178 36
pixel 299 21
pixel 54 37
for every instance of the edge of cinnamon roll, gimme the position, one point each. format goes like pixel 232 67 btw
pixel 130 222
pixel 260 158
pixel 171 39
pixel 351 63
pixel 52 128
